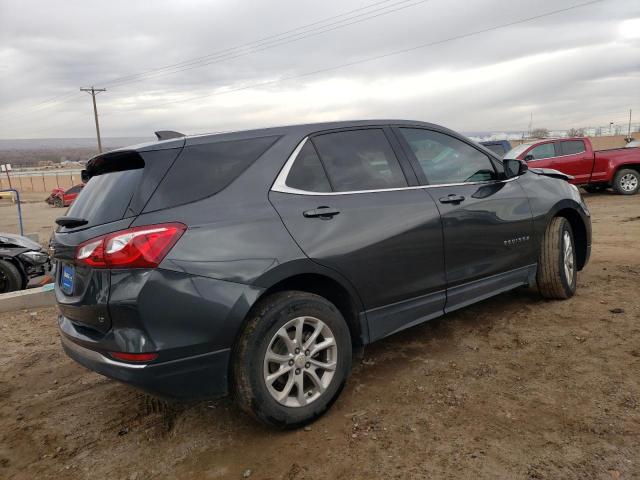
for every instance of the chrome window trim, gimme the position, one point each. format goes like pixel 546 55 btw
pixel 560 156
pixel 557 156
pixel 280 184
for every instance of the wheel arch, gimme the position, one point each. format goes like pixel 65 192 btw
pixel 580 233
pixel 307 276
pixel 631 166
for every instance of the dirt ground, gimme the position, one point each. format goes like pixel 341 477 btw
pixel 514 388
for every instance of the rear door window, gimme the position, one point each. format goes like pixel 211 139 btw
pixel 357 160
pixel 307 172
pixel 571 147
pixel 203 170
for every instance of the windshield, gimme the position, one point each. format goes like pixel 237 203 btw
pixel 516 151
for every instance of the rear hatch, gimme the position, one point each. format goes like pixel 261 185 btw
pixel 119 185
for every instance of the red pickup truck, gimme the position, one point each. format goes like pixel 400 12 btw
pixel 618 168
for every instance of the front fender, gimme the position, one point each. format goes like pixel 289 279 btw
pixel 549 197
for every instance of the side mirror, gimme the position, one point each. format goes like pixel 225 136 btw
pixel 513 167
pixel 528 158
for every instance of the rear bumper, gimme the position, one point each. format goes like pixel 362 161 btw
pixel 199 376
pixel 191 322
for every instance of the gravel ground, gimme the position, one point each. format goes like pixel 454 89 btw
pixel 514 387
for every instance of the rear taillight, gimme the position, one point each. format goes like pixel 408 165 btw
pixel 138 247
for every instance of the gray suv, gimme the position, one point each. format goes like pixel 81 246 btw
pixel 258 262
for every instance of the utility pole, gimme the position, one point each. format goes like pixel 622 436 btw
pixel 629 132
pixel 94 92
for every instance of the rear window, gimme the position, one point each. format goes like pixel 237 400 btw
pixel 203 170
pixel 571 147
pixel 106 197
pixel 120 184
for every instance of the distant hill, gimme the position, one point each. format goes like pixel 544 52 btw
pixel 31 152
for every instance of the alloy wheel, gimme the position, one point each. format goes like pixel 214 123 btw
pixel 300 361
pixel 629 182
pixel 568 257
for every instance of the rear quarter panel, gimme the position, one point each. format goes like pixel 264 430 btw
pixel 608 162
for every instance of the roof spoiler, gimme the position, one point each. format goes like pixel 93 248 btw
pixel 167 134
pixel 114 161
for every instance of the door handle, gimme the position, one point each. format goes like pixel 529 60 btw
pixel 452 198
pixel 321 212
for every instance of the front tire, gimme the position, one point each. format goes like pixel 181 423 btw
pixel 626 181
pixel 292 359
pixel 58 202
pixel 557 273
pixel 10 277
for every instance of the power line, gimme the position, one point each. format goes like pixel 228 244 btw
pixel 37 108
pixel 232 52
pixel 378 57
pixel 386 55
pixel 56 98
pixel 259 47
pixel 258 41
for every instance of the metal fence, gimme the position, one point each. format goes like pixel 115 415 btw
pixel 40 180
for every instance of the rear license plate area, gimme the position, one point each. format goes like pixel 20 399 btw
pixel 66 279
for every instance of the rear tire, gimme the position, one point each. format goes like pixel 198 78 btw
pixel 302 392
pixel 626 181
pixel 10 278
pixel 557 273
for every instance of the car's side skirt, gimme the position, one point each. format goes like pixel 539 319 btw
pixel 390 319
pixel 384 321
pixel 472 292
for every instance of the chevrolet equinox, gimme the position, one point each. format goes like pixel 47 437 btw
pixel 258 262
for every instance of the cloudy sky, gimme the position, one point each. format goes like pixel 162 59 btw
pixel 204 65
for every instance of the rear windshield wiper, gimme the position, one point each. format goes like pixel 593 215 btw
pixel 71 222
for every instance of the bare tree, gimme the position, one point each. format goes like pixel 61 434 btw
pixel 540 132
pixel 575 132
